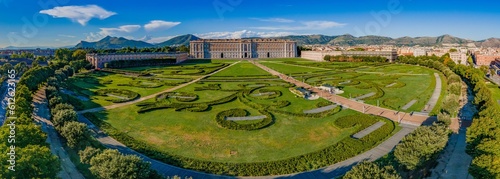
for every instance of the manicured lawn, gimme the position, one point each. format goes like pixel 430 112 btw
pixel 197 134
pixel 243 68
pixel 495 91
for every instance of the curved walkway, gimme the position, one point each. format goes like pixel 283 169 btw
pixel 435 95
pixel 42 115
pixel 153 95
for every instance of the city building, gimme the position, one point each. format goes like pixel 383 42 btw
pixel 98 60
pixel 242 48
pixel 318 55
pixel 496 66
pixel 459 57
pixel 485 59
pixel 390 55
pixel 419 52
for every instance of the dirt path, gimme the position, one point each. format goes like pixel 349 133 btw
pixel 41 116
pixel 153 95
pixel 400 117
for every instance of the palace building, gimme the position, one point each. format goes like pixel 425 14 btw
pixel 98 60
pixel 242 48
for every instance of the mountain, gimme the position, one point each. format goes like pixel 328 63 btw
pixel 347 39
pixel 113 43
pixel 491 42
pixel 309 39
pixel 178 41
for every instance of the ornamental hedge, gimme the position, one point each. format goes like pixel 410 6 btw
pixel 221 120
pixel 129 95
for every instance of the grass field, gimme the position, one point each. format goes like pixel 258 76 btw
pixel 197 135
pixel 243 68
pixel 495 91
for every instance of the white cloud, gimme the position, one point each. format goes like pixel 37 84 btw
pixel 155 25
pixel 155 40
pixel 279 20
pixel 80 14
pixel 95 36
pixel 123 28
pixel 241 34
pixel 305 25
pixel 68 36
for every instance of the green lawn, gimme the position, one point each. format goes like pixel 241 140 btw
pixel 243 68
pixel 495 91
pixel 197 134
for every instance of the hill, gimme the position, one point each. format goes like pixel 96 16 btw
pixel 113 43
pixel 178 41
pixel 347 39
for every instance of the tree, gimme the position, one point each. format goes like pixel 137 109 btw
pixel 110 164
pixel 485 166
pixel 421 146
pixel 26 134
pixel 79 54
pixel 453 50
pixel 444 118
pixel 63 54
pixel 371 170
pixel 32 161
pixel 75 133
pixel 64 116
pixel 183 48
pixel 87 154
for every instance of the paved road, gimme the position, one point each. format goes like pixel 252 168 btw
pixel 400 117
pixel 153 95
pixel 435 95
pixel 42 115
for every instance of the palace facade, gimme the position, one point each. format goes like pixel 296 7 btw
pixel 98 60
pixel 242 48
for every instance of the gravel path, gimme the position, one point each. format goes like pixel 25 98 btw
pixel 411 103
pixel 368 130
pixel 435 95
pixel 365 96
pixel 321 109
pixel 42 115
pixel 248 118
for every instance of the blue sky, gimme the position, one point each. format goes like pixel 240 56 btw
pixel 66 22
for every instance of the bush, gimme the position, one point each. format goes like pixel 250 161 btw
pixel 221 120
pixel 129 95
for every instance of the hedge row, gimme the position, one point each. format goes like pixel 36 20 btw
pixel 129 94
pixel 355 120
pixel 209 87
pixel 146 107
pixel 179 96
pixel 263 123
pixel 340 151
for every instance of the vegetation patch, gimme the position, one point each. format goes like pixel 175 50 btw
pixel 117 95
pixel 221 119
